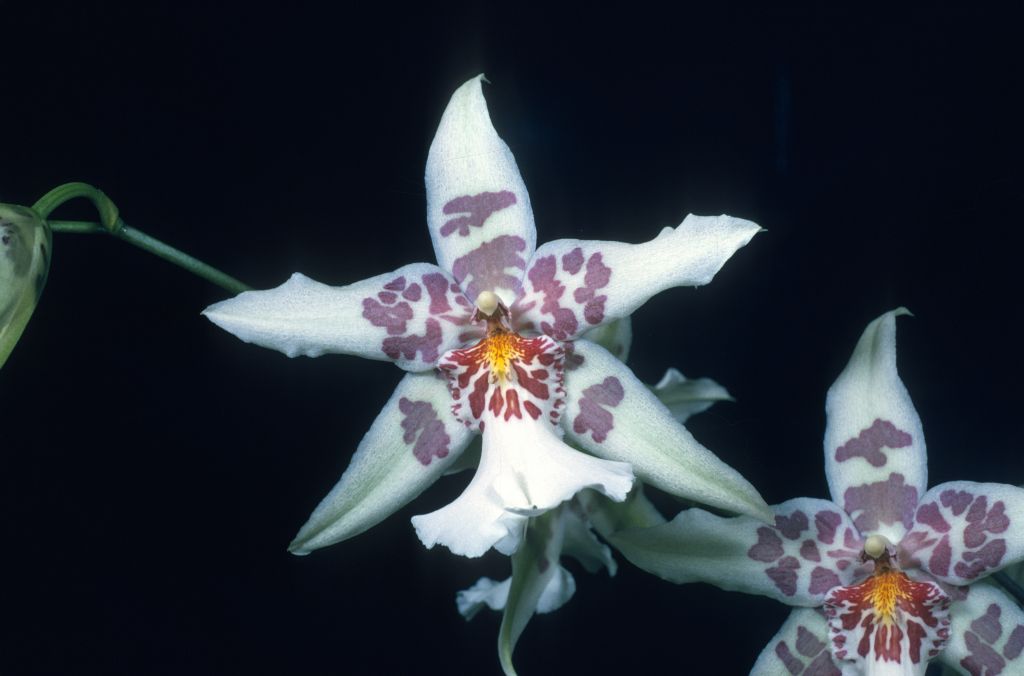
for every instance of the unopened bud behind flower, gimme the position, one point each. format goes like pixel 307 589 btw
pixel 25 243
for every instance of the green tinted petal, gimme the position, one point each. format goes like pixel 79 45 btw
pixel 25 243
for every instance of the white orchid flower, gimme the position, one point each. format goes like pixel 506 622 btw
pixel 887 575
pixel 490 338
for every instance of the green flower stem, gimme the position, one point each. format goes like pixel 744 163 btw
pixel 154 246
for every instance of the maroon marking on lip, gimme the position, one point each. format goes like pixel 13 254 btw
pixel 870 442
pixel 477 209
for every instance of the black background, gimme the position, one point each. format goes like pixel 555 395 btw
pixel 153 468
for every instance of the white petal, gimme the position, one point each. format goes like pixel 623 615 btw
pixel 410 316
pixel 800 647
pixel 486 592
pixel 410 444
pixel 685 397
pixel 574 285
pixel 812 549
pixel 986 633
pixel 965 530
pixel 875 458
pixel 478 209
pixel 525 470
pixel 613 415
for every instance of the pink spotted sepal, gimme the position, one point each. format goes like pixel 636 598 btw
pixel 887 625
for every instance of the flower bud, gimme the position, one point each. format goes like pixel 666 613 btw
pixel 25 243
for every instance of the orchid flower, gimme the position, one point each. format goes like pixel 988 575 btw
pixel 500 321
pixel 539 583
pixel 25 244
pixel 885 576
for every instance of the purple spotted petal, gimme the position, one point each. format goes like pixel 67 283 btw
pixel 964 530
pixel 412 442
pixel 611 414
pixel 875 457
pixel 572 285
pixel 478 209
pixel 812 549
pixel 410 316
pixel 800 648
pixel 986 634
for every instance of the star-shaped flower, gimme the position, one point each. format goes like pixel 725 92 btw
pixel 491 340
pixel 886 575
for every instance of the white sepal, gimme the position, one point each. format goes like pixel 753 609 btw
pixel 410 316
pixel 412 442
pixel 875 459
pixel 478 209
pixel 799 647
pixel 613 415
pixel 574 285
pixel 812 549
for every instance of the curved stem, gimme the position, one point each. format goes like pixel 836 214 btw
pixel 46 204
pixel 156 247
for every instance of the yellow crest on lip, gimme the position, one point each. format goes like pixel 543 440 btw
pixel 500 350
pixel 886 588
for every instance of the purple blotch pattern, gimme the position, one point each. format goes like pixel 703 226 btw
pixel 486 266
pixel 983 658
pixel 407 347
pixel 423 430
pixel 477 209
pixel 808 646
pixel 594 416
pixel 391 310
pixel 544 278
pixel 870 442
pixel 890 501
pixel 981 552
pixel 771 548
